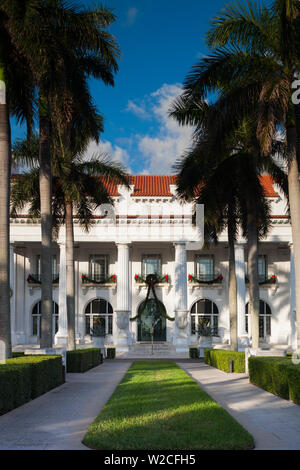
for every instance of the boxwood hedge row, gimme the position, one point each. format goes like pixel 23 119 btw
pixel 25 378
pixel 277 375
pixel 82 360
pixel 221 358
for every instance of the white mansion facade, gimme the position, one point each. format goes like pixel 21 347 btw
pixel 148 231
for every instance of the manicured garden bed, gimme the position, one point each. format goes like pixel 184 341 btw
pixel 221 358
pixel 157 406
pixel 277 375
pixel 27 377
pixel 82 360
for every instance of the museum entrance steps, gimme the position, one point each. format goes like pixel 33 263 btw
pixel 159 350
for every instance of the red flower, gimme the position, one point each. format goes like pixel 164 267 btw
pixel 113 277
pixel 83 276
pixel 136 277
pixel 273 278
pixel 190 277
pixel 166 277
pixel 221 277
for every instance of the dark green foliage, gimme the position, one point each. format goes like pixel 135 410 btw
pixel 111 353
pixel 26 377
pixel 220 359
pixel 45 372
pixel 18 354
pixel 15 386
pixel 194 354
pixel 82 360
pixel 277 375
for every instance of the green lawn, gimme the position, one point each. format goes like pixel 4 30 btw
pixel 157 406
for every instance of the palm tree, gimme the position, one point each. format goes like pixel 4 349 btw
pixel 16 96
pixel 232 194
pixel 252 68
pixel 79 187
pixel 52 34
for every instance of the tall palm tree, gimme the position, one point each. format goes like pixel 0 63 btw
pixel 79 187
pixel 16 97
pixel 253 67
pixel 53 33
pixel 232 194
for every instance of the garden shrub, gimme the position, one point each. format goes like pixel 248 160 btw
pixel 221 358
pixel 277 375
pixel 82 360
pixel 18 354
pixel 111 353
pixel 25 377
pixel 15 386
pixel 45 372
pixel 194 354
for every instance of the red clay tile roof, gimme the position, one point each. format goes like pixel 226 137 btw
pixel 159 185
pixel 267 182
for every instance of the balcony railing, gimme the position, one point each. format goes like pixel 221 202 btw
pixel 98 279
pixel 263 279
pixel 36 278
pixel 206 278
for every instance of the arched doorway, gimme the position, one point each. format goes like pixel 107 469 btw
pixel 99 313
pixel 204 318
pixel 151 317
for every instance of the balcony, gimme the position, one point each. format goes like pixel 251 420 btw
pixel 98 280
pixel 213 281
pixel 264 280
pixel 35 279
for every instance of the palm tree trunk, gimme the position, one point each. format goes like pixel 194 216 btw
pixel 46 229
pixel 5 161
pixel 294 196
pixel 253 271
pixel 70 275
pixel 232 288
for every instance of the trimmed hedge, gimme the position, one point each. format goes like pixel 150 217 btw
pixel 45 372
pixel 194 353
pixel 220 358
pixel 277 375
pixel 111 353
pixel 24 378
pixel 18 354
pixel 82 360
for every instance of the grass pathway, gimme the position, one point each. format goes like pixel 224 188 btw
pixel 157 406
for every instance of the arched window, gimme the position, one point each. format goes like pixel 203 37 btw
pixel 99 312
pixel 204 318
pixel 264 319
pixel 36 318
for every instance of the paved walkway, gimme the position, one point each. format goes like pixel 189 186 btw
pixel 60 418
pixel 273 422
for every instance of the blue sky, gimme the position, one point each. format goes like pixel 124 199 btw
pixel 160 41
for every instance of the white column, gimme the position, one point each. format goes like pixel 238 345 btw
pixel 241 293
pixel 12 292
pixel 181 336
pixel 293 299
pixel 61 336
pixel 123 297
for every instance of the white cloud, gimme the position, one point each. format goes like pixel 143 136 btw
pixel 162 150
pixel 156 151
pixel 131 16
pixel 114 152
pixel 138 110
